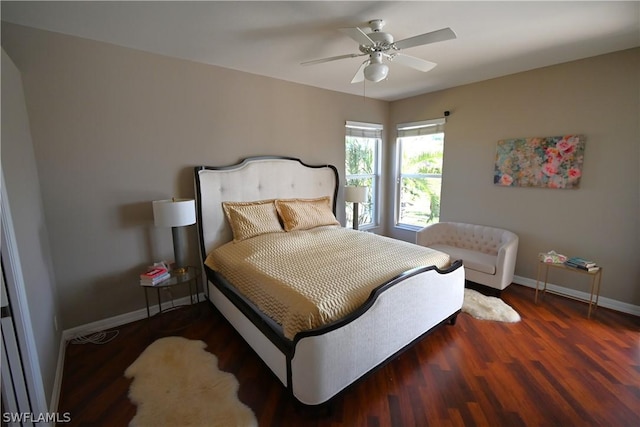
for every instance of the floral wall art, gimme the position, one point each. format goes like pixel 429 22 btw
pixel 547 162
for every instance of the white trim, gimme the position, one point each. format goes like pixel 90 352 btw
pixel 405 131
pixel 101 325
pixel 122 319
pixel 20 307
pixel 57 381
pixel 375 176
pixel 14 387
pixel 605 302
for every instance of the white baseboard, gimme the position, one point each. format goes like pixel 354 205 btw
pixel 57 381
pixel 123 319
pixel 572 293
pixel 101 325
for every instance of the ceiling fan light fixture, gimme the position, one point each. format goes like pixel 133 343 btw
pixel 376 72
pixel 379 45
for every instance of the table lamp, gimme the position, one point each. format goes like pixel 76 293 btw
pixel 355 195
pixel 176 213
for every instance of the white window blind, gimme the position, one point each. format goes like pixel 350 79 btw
pixel 364 130
pixel 425 127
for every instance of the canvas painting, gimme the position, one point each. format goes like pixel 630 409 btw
pixel 547 162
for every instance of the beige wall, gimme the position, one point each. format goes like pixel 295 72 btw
pixel 115 128
pixel 598 97
pixel 23 191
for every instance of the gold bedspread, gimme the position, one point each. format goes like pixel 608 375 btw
pixel 305 279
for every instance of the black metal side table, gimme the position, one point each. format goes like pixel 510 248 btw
pixel 190 278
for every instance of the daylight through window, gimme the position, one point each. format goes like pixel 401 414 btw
pixel 362 168
pixel 420 153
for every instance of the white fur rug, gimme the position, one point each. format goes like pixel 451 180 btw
pixel 177 383
pixel 488 308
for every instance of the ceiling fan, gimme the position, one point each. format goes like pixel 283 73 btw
pixel 379 45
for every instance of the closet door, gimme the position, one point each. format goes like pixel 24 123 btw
pixel 15 397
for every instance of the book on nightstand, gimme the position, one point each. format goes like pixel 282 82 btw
pixel 582 264
pixel 153 282
pixel 154 276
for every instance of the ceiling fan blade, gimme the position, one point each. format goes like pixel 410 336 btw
pixel 333 58
pixel 413 62
pixel 360 73
pixel 432 37
pixel 358 35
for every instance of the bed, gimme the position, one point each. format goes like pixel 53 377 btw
pixel 314 359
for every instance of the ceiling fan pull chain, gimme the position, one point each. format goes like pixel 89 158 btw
pixel 364 91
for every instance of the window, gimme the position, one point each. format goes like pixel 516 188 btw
pixel 362 168
pixel 419 173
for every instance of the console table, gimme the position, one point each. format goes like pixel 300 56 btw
pixel 596 278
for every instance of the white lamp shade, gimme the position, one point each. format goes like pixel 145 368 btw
pixel 355 194
pixel 174 212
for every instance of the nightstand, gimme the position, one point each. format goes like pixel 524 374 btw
pixel 190 278
pixel 596 278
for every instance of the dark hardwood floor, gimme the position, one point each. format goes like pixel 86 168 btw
pixel 554 368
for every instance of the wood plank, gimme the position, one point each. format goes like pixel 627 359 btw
pixel 555 367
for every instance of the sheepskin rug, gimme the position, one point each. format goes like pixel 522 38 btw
pixel 488 308
pixel 177 383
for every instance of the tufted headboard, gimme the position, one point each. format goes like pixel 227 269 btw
pixel 255 178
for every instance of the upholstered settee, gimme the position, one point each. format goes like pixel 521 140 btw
pixel 488 253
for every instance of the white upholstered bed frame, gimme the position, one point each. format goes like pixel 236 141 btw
pixel 318 364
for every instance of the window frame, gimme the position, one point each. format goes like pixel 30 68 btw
pixel 369 131
pixel 405 130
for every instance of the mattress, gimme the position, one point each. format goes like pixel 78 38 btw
pixel 306 279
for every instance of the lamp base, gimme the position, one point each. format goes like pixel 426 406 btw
pixel 355 215
pixel 178 271
pixel 179 242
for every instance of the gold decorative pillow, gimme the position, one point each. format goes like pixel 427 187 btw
pixel 304 214
pixel 250 219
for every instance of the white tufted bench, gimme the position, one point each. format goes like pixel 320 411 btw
pixel 488 253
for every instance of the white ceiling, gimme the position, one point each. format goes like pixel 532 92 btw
pixel 273 38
